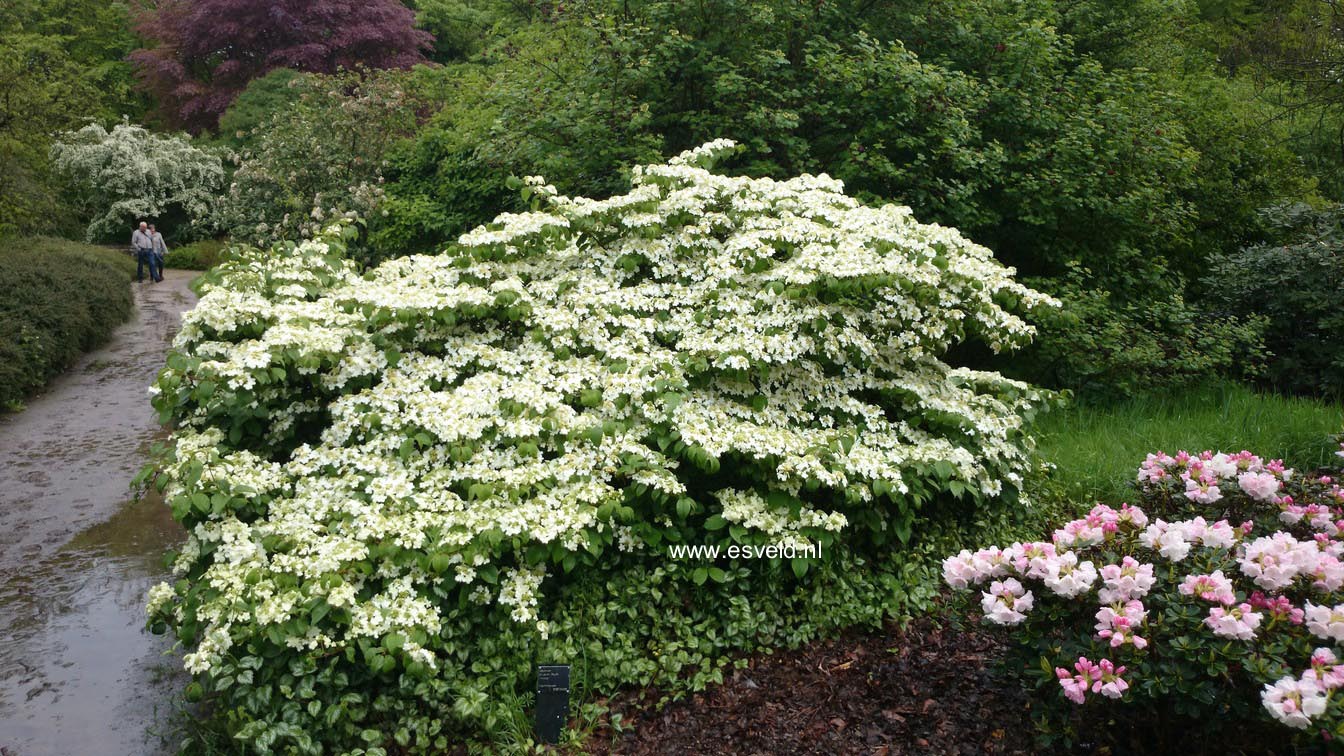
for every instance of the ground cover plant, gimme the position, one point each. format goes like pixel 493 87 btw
pixel 1218 601
pixel 201 255
pixel 403 488
pixel 58 299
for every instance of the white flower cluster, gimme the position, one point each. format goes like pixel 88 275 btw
pixel 130 173
pixel 770 348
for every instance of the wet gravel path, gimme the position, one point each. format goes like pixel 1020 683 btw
pixel 78 674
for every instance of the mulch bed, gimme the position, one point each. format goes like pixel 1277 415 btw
pixel 925 689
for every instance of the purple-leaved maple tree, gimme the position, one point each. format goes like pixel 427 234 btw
pixel 206 51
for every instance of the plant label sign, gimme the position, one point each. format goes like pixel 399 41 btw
pixel 552 701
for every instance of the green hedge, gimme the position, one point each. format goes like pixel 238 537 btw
pixel 201 255
pixel 58 299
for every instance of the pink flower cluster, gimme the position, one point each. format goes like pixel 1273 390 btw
pixel 1278 608
pixel 1325 622
pixel 1239 622
pixel 1203 476
pixel 1213 587
pixel 1173 540
pixel 1099 524
pixel 1006 602
pixel 1295 701
pixel 1062 572
pixel 1130 579
pixel 1275 562
pixel 1102 677
pixel 1119 623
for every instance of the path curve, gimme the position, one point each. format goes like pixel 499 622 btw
pixel 78 674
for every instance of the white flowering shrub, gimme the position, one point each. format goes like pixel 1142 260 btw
pixel 130 173
pixel 403 488
pixel 1233 613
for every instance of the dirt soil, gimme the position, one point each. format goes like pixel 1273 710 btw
pixel 923 690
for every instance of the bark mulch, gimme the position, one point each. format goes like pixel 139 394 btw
pixel 921 690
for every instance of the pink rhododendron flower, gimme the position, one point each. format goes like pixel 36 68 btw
pixel 1237 622
pixel 1068 577
pixel 1278 608
pixel 991 562
pixel 1118 623
pixel 1326 622
pixel 1214 587
pixel 1167 539
pixel 1273 562
pixel 959 571
pixel 1220 535
pixel 1154 468
pixel 1202 490
pixel 1089 530
pixel 1006 602
pixel 1328 575
pixel 1111 684
pixel 1102 677
pixel 1130 579
pixel 1259 486
pixel 1325 671
pixel 1132 516
pixel 1294 702
pixel 1032 560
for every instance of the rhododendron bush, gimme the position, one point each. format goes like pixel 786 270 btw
pixel 1220 598
pixel 390 477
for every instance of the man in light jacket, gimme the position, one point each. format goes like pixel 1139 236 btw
pixel 143 243
pixel 160 249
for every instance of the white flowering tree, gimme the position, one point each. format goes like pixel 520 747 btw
pixel 130 173
pixel 376 469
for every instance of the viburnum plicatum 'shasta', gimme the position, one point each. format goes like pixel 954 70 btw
pixel 1249 603
pixel 357 454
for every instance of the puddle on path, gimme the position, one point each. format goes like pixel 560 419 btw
pixel 78 673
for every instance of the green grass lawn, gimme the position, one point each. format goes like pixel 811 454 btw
pixel 1097 449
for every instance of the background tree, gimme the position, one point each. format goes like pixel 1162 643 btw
pixel 208 51
pixel 130 173
pixel 61 62
pixel 323 155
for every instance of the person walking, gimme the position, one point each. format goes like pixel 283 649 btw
pixel 160 250
pixel 143 243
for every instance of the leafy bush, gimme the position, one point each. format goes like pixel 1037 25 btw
pixel 322 157
pixel 201 255
pixel 1029 126
pixel 404 488
pixel 129 174
pixel 1231 614
pixel 58 299
pixel 1294 282
pixel 1106 349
